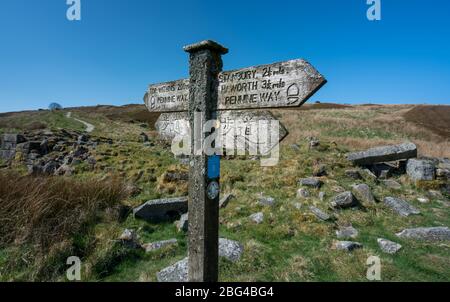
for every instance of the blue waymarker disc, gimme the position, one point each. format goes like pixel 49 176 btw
pixel 213 166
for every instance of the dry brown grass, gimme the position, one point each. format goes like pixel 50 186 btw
pixel 46 211
pixel 434 118
pixel 361 127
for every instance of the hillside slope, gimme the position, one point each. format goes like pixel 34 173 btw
pixel 290 244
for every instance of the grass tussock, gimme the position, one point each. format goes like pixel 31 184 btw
pixel 48 210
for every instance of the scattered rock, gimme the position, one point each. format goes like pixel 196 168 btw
pixel 162 209
pixel 426 234
pixel 149 247
pixel 320 170
pixel 368 175
pixel 225 200
pixel 420 169
pixel 423 200
pixel 302 193
pixel 82 139
pixel 347 232
pixel 311 182
pixel 322 196
pixel 388 246
pixel 383 170
pixel 266 201
pixel 400 206
pixel 363 193
pixel 347 245
pixel 64 170
pixel 344 200
pixel 257 217
pixel 319 213
pixel 80 151
pixel 130 239
pixel 230 249
pixel 183 223
pixel 313 142
pixel 177 272
pixel 392 184
pixel 383 154
pixel 50 168
pixel 443 173
pixel 353 174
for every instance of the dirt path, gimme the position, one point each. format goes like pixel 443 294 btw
pixel 89 127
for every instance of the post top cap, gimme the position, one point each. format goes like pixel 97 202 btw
pixel 206 44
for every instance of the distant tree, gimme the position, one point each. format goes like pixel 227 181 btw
pixel 55 106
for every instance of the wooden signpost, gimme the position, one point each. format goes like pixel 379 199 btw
pixel 210 94
pixel 277 85
pixel 239 130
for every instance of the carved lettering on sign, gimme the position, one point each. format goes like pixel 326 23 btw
pixel 284 84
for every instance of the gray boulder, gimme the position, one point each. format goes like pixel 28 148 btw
pixel 400 206
pixel 177 272
pixel 348 245
pixel 344 200
pixel 388 246
pixel 130 239
pixel 322 196
pixel 266 201
pixel 353 174
pixel 368 175
pixel 225 200
pixel 230 249
pixel 183 223
pixel 311 182
pixel 443 173
pixel 363 193
pixel 392 184
pixel 302 193
pixel 426 234
pixel 347 232
pixel 420 169
pixel 162 209
pixel 50 167
pixel 383 154
pixel 257 217
pixel 149 247
pixel 319 213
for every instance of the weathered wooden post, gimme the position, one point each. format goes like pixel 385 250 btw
pixel 205 64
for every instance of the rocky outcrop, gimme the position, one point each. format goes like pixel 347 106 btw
pixel 388 246
pixel 421 169
pixel 383 154
pixel 426 234
pixel 177 272
pixel 400 206
pixel 160 210
pixel 344 200
pixel 363 193
pixel 154 246
pixel 311 182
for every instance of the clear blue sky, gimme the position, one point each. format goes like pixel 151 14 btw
pixel 120 46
